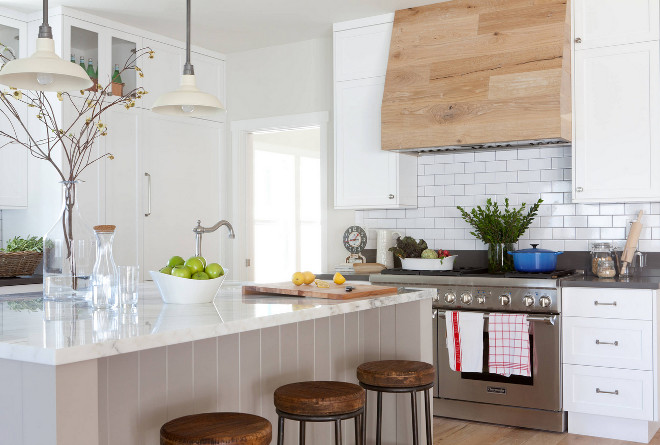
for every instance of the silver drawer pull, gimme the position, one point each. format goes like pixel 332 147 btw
pixel 615 392
pixel 598 303
pixel 616 343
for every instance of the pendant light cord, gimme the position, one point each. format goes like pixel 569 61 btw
pixel 45 31
pixel 187 68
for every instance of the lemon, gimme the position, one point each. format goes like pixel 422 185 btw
pixel 298 278
pixel 309 277
pixel 339 278
pixel 321 283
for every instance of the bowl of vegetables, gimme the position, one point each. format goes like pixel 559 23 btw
pixel 416 255
pixel 21 256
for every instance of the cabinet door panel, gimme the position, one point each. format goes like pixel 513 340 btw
pixel 616 132
pixel 181 154
pixel 365 175
pixel 601 23
pixel 362 52
pixel 163 72
pixel 13 176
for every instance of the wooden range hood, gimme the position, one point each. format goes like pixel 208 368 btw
pixel 468 74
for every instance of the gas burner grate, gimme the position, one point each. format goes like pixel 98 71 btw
pixel 437 273
pixel 549 275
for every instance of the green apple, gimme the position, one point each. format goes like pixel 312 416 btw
pixel 175 261
pixel 195 265
pixel 166 270
pixel 200 276
pixel 201 258
pixel 182 272
pixel 214 270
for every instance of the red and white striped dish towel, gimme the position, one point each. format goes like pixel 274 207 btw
pixel 465 341
pixel 508 339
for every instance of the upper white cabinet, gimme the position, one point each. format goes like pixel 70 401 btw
pixel 601 23
pixel 366 176
pixel 616 94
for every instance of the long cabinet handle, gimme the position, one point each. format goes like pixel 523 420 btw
pixel 615 343
pixel 148 194
pixel 598 303
pixel 615 392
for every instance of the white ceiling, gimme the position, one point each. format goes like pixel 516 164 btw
pixel 231 25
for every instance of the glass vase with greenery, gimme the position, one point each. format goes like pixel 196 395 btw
pixel 500 228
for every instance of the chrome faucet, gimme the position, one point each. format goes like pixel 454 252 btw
pixel 199 231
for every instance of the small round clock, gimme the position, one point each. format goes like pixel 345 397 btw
pixel 355 239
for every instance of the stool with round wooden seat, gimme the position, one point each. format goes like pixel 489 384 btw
pixel 217 428
pixel 320 402
pixel 399 376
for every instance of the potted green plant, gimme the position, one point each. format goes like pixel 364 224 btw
pixel 500 229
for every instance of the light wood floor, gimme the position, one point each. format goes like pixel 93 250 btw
pixel 459 432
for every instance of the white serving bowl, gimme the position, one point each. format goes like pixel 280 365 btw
pixel 184 291
pixel 428 264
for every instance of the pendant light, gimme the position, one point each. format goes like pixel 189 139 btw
pixel 44 70
pixel 187 100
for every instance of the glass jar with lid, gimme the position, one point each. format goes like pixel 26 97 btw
pixel 601 251
pixel 606 269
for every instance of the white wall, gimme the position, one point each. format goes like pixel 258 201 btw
pixel 468 179
pixel 286 80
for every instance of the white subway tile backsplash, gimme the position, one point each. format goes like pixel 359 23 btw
pixel 525 175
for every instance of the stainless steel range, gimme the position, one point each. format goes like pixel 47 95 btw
pixel 532 402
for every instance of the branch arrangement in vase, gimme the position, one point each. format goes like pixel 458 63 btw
pixel 493 225
pixel 74 138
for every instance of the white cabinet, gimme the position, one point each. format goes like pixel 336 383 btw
pixel 616 95
pixel 366 176
pixel 610 362
pixel 601 23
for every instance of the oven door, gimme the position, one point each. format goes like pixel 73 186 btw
pixel 540 391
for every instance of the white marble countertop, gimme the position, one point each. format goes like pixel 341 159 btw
pixel 51 333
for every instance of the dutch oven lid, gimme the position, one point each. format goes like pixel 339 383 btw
pixel 535 250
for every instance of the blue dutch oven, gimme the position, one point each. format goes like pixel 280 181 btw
pixel 535 260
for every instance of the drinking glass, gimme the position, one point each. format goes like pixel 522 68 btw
pixel 127 287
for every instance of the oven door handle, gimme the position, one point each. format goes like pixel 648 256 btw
pixel 548 319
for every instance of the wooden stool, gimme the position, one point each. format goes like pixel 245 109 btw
pixel 320 402
pixel 217 428
pixel 397 376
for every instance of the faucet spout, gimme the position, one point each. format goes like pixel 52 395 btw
pixel 199 231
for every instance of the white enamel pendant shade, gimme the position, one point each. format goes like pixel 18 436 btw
pixel 187 100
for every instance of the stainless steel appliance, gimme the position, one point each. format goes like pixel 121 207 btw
pixel 532 402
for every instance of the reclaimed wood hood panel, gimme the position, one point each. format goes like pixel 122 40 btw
pixel 474 72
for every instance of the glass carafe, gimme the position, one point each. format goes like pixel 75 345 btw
pixel 104 277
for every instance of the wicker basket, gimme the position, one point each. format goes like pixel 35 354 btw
pixel 18 263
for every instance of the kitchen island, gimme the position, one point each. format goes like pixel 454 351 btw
pixel 72 375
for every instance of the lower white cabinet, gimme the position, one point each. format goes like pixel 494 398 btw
pixel 13 177
pixel 610 362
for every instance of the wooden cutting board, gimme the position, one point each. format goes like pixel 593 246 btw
pixel 335 292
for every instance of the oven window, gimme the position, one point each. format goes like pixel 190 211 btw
pixel 488 377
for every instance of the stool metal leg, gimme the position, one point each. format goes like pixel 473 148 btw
pixel 301 434
pixel 280 431
pixel 364 422
pixel 358 432
pixel 338 440
pixel 427 400
pixel 413 401
pixel 379 416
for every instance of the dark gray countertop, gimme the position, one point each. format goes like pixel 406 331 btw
pixel 636 282
pixel 328 276
pixel 16 281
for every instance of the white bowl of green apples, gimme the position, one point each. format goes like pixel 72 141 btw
pixel 188 282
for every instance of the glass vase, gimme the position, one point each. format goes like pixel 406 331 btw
pixel 69 252
pixel 499 261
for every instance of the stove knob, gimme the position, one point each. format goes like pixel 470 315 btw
pixel 545 301
pixel 450 297
pixel 528 300
pixel 466 298
pixel 505 300
pixel 436 298
pixel 481 299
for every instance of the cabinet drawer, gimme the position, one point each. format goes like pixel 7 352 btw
pixel 608 392
pixel 612 343
pixel 632 304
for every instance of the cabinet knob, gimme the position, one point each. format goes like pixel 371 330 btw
pixel 391 196
pixel 578 40
pixel 579 189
